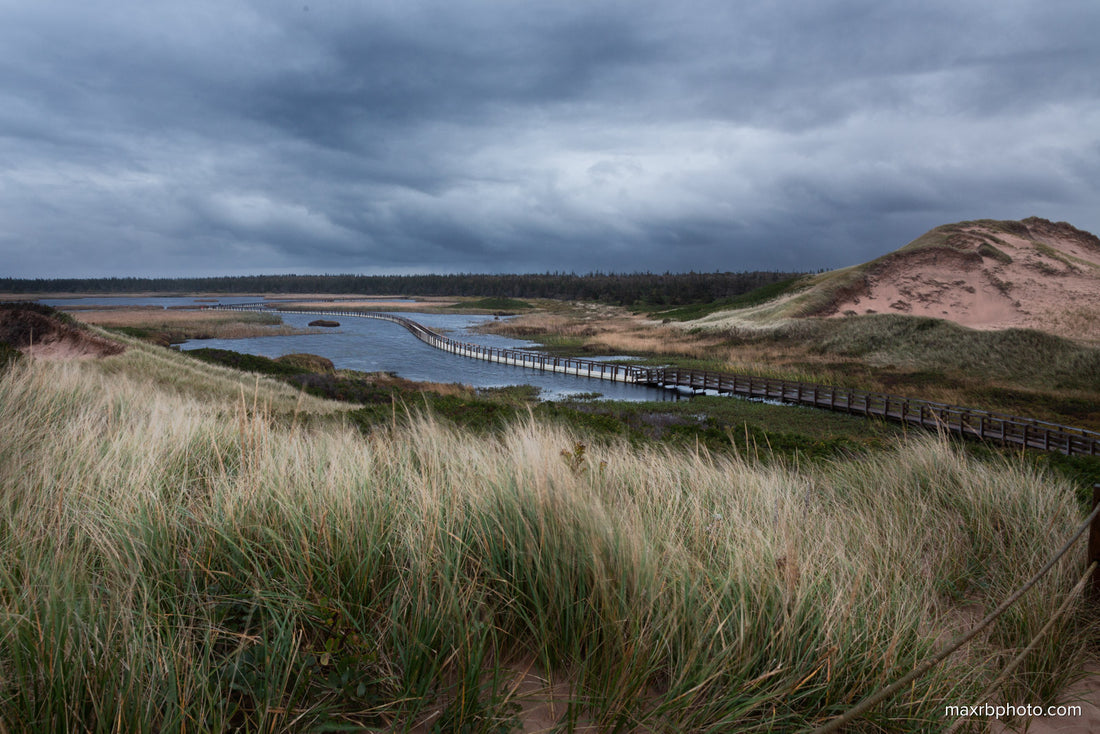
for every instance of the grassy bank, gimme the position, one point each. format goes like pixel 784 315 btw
pixel 173 563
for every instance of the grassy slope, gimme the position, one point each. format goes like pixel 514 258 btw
pixel 171 562
pixel 165 370
pixel 755 297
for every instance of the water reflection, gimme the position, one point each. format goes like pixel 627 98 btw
pixel 370 345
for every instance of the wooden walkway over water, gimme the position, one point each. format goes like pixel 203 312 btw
pixel 1006 429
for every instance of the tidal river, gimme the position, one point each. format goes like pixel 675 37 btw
pixel 370 345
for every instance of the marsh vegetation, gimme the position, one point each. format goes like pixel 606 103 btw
pixel 173 326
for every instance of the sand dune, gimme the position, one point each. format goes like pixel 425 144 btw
pixel 990 275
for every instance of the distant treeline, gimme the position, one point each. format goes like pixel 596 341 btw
pixel 620 289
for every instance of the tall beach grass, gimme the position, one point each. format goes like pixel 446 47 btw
pixel 168 565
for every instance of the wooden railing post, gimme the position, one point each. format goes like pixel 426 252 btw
pixel 1094 543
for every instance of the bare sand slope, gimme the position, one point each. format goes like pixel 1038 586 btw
pixel 990 275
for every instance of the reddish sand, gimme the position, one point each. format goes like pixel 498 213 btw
pixel 1044 276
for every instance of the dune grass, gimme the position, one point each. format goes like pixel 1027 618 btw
pixel 161 370
pixel 167 565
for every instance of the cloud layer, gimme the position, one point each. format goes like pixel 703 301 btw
pixel 202 138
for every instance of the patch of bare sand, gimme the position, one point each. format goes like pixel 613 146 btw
pixel 939 284
pixel 542 701
pixel 69 349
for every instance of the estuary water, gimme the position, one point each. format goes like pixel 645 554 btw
pixel 370 345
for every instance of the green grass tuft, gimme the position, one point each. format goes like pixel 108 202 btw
pixel 987 250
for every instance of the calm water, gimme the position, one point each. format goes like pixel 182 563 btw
pixel 370 345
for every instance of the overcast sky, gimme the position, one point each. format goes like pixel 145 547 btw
pixel 205 137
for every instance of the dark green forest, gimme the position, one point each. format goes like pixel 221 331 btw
pixel 619 289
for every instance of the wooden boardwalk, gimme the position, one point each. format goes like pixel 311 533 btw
pixel 1006 429
pixel 982 424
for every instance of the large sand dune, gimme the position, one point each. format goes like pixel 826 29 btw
pixel 989 275
pixel 984 274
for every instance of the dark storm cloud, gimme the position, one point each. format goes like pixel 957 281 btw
pixel 210 137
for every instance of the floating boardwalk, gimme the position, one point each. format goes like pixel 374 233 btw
pixel 1007 429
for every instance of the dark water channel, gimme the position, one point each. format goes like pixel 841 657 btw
pixel 370 345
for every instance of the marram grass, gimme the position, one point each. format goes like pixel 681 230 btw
pixel 166 566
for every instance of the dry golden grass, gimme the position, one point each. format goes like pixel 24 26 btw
pixel 168 372
pixel 607 329
pixel 541 323
pixel 150 315
pixel 657 340
pixel 179 324
pixel 1079 321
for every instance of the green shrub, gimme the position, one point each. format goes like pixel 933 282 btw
pixel 248 362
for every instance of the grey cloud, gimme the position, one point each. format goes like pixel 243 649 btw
pixel 150 138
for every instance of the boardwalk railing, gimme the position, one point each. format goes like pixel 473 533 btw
pixel 1008 429
pixel 966 421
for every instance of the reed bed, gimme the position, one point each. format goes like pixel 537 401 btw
pixel 166 565
pixel 162 317
pixel 179 325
